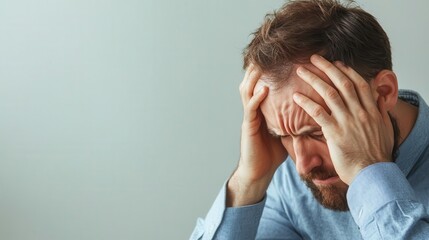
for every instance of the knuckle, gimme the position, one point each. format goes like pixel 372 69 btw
pixel 364 86
pixel 331 93
pixel 347 84
pixel 249 92
pixel 317 111
pixel 313 78
pixel 330 67
pixel 242 90
pixel 363 116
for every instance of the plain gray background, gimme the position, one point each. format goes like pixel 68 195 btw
pixel 121 119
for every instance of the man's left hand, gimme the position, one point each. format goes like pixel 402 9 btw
pixel 358 131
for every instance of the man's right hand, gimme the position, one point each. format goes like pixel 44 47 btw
pixel 261 153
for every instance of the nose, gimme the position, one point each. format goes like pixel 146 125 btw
pixel 306 156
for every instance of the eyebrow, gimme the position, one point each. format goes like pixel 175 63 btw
pixel 274 134
pixel 308 130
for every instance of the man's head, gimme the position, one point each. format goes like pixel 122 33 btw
pixel 286 40
pixel 302 28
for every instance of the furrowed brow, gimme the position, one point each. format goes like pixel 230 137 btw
pixel 274 134
pixel 310 130
pixel 306 131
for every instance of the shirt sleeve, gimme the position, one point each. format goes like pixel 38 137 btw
pixel 384 205
pixel 264 220
pixel 229 223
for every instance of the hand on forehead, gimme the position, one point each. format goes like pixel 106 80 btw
pixel 279 109
pixel 282 89
pixel 290 79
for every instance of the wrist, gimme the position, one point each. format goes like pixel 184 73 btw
pixel 241 192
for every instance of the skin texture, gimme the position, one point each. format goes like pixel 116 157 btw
pixel 328 119
pixel 303 138
pixel 261 154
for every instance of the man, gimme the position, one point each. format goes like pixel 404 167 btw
pixel 319 91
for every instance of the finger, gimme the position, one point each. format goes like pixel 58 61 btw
pixel 384 113
pixel 249 85
pixel 249 69
pixel 342 82
pixel 313 109
pixel 362 87
pixel 388 123
pixel 327 92
pixel 251 110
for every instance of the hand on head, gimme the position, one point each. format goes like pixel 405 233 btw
pixel 358 131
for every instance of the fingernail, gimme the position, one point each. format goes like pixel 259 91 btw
pixel 296 97
pixel 339 64
pixel 317 57
pixel 301 70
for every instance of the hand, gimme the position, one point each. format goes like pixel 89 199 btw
pixel 261 154
pixel 358 132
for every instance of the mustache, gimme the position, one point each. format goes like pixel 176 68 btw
pixel 318 173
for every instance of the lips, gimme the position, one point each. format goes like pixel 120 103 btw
pixel 326 181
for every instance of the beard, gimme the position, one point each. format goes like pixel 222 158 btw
pixel 330 196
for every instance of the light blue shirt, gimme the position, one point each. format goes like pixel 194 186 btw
pixel 386 200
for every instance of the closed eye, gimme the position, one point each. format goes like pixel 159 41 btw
pixel 275 135
pixel 318 135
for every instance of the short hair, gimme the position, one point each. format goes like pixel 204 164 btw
pixel 336 31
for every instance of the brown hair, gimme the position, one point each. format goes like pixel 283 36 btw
pixel 304 27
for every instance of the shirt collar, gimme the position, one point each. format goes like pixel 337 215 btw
pixel 411 149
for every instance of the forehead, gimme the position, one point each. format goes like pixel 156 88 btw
pixel 281 113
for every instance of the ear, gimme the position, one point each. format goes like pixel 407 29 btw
pixel 385 86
